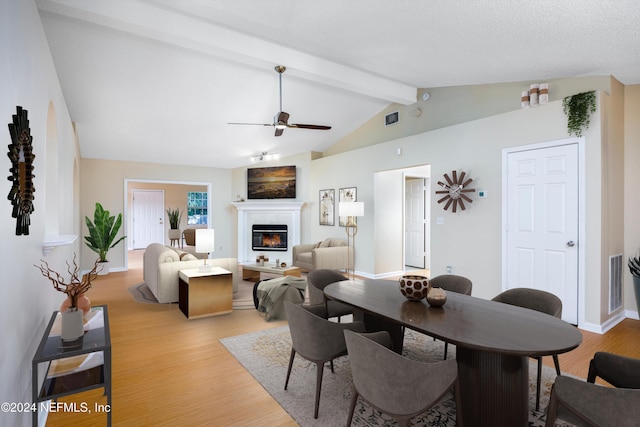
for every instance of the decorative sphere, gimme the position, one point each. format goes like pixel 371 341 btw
pixel 436 297
pixel 414 288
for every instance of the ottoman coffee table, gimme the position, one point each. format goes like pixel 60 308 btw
pixel 252 271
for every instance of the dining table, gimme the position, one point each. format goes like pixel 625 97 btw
pixel 493 342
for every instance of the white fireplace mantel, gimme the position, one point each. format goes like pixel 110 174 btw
pixel 267 212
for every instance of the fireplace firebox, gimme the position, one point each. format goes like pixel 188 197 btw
pixel 269 237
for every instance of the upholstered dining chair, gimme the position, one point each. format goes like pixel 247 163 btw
pixel 452 283
pixel 538 300
pixel 619 371
pixel 316 339
pixel 391 383
pixel 317 280
pixel 585 404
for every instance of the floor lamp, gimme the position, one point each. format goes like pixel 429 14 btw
pixel 351 210
pixel 205 243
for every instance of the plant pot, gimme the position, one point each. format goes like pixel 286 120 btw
pixel 174 233
pixel 636 288
pixel 103 268
pixel 72 325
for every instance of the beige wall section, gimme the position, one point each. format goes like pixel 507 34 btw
pixel 448 106
pixel 103 181
pixel 175 196
pixel 632 182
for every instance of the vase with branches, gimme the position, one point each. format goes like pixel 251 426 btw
pixel 75 287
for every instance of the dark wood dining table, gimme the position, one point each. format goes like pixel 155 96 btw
pixel 493 342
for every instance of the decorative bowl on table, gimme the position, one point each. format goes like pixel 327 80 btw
pixel 413 287
pixel 436 297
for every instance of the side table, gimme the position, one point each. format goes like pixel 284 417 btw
pixel 203 293
pixel 73 366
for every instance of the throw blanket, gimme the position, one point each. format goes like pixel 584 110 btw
pixel 270 291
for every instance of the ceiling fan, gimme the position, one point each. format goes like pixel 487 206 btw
pixel 281 119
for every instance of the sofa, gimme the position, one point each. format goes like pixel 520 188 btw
pixel 330 254
pixel 161 265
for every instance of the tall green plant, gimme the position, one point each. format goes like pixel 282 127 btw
pixel 578 109
pixel 175 216
pixel 102 231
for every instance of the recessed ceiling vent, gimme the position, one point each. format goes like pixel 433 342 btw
pixel 391 118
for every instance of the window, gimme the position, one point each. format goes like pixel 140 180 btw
pixel 197 207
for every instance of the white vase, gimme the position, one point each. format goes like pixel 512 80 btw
pixel 103 268
pixel 72 325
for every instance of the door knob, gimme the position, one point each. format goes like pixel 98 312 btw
pixel 571 243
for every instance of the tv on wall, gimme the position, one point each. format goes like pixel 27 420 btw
pixel 277 182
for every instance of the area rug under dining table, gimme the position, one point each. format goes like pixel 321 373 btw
pixel 265 354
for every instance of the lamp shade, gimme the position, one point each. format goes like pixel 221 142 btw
pixel 205 240
pixel 351 209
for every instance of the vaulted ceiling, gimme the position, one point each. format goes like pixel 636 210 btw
pixel 159 80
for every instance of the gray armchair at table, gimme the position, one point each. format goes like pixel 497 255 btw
pixel 538 300
pixel 619 371
pixel 585 404
pixel 391 383
pixel 316 339
pixel 452 283
pixel 317 280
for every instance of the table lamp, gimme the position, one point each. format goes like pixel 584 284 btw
pixel 351 210
pixel 205 243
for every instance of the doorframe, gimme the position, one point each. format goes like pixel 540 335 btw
pixel 581 211
pixel 128 181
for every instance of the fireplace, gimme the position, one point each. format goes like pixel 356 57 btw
pixel 269 237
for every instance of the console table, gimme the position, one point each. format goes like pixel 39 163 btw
pixel 74 366
pixel 203 293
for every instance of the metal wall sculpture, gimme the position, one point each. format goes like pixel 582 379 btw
pixel 21 156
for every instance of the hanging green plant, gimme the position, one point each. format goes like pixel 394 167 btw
pixel 578 109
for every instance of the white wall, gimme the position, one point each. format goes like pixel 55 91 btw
pixel 28 79
pixel 469 240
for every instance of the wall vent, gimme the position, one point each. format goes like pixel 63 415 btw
pixel 391 118
pixel 615 282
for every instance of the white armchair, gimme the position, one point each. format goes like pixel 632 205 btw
pixel 331 254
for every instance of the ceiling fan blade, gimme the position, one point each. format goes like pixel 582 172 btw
pixel 251 124
pixel 303 126
pixel 279 131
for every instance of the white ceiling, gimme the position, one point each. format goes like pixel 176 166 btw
pixel 158 80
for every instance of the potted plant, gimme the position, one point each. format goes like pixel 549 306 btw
pixel 102 234
pixel 175 216
pixel 634 268
pixel 76 304
pixel 578 109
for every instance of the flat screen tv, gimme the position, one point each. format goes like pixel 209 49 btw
pixel 277 182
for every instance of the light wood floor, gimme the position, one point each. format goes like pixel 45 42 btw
pixel 168 370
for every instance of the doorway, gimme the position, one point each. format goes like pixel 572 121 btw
pixel 148 217
pixel 541 212
pixel 415 223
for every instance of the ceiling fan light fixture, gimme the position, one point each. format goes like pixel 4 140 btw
pixel 281 126
pixel 264 156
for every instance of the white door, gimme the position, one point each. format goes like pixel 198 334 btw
pixel 414 223
pixel 542 223
pixel 148 218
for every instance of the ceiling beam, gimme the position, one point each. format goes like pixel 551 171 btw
pixel 203 36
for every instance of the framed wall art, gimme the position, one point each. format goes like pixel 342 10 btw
pixel 327 207
pixel 346 195
pixel 21 156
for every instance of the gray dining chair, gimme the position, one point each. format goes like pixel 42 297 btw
pixel 452 283
pixel 538 300
pixel 316 339
pixel 317 280
pixel 619 371
pixel 585 404
pixel 391 382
